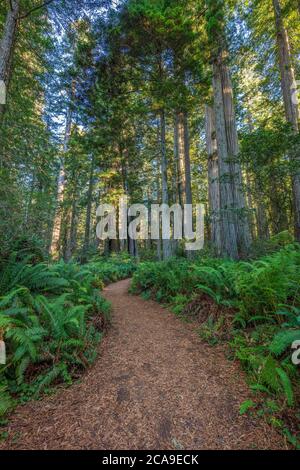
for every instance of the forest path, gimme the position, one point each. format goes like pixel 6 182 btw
pixel 155 385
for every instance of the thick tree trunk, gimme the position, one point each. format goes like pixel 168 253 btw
pixel 213 180
pixel 288 85
pixel 236 237
pixel 227 202
pixel 7 46
pixel 240 206
pixel 167 252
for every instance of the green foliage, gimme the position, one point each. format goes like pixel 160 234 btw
pixel 6 402
pixel 286 385
pixel 283 340
pixel 113 269
pixel 246 406
pixel 52 318
pixel 164 279
pixel 254 289
pixel 267 373
pixel 264 294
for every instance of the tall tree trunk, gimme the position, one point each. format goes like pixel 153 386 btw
pixel 288 85
pixel 187 169
pixel 133 246
pixel 29 203
pixel 240 206
pixel 71 243
pixel 249 189
pixel 55 243
pixel 187 160
pixel 213 179
pixel 180 157
pixel 164 177
pixel 87 232
pixel 227 203
pixel 236 237
pixel 158 199
pixel 175 180
pixel 183 157
pixel 7 43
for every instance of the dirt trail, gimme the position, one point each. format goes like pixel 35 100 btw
pixel 155 386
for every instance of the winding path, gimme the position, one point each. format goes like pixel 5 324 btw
pixel 155 385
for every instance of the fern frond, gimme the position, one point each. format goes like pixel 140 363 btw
pixel 284 340
pixel 286 385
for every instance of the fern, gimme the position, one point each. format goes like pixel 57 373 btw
pixel 284 340
pixel 46 317
pixel 47 379
pixel 286 385
pixel 6 402
pixel 268 375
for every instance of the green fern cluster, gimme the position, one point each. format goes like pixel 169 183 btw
pixel 267 373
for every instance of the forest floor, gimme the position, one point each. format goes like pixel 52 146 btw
pixel 155 385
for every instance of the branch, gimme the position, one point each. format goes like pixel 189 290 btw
pixel 38 7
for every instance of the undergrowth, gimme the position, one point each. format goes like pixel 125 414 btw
pixel 253 306
pixel 52 316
